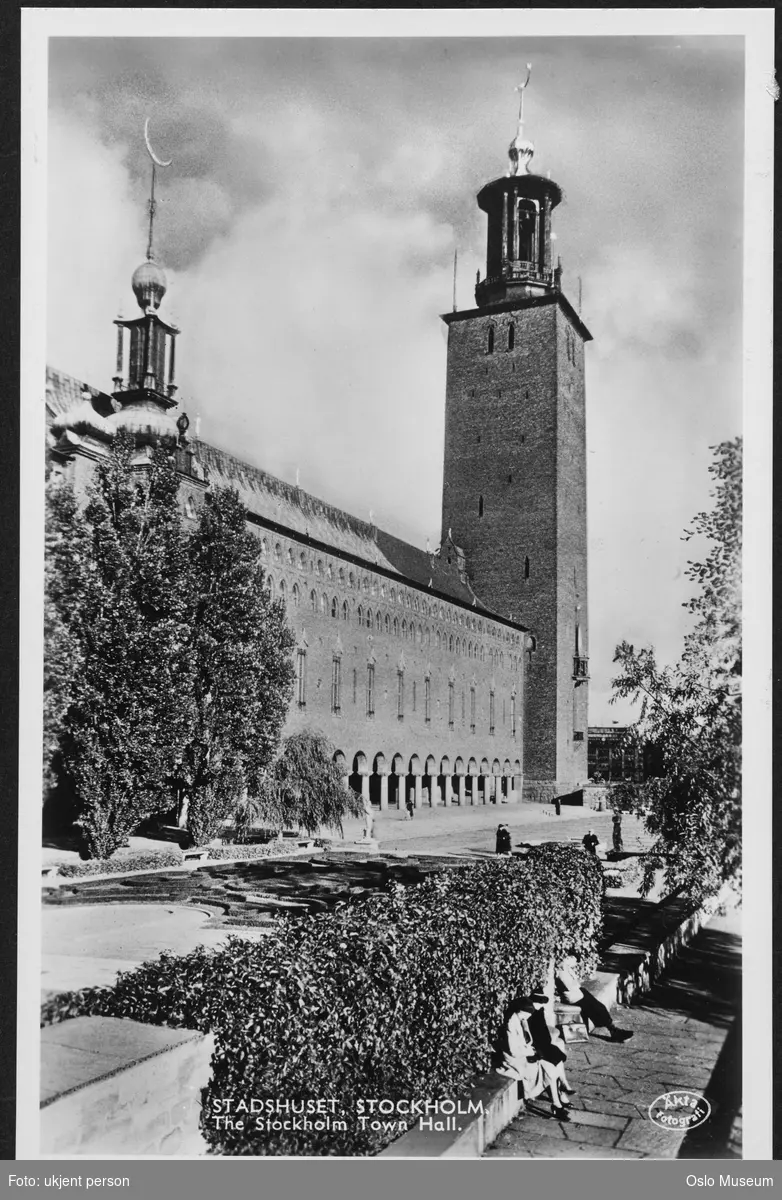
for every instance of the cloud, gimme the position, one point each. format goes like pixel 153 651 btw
pixel 308 225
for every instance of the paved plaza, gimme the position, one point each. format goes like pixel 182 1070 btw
pixel 686 1036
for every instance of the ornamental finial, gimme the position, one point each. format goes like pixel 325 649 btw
pixel 521 150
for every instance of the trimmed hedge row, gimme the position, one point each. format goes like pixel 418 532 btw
pixel 399 996
pixel 149 859
pixel 144 860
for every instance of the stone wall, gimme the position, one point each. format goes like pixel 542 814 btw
pixel 119 1088
pixel 436 665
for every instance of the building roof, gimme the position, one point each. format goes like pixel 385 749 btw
pixel 64 392
pixel 284 505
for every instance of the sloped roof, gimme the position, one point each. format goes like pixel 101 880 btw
pixel 65 391
pixel 270 499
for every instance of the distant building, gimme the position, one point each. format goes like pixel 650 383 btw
pixel 459 673
pixel 613 755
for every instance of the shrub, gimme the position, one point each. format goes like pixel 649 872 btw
pixel 398 996
pixel 143 860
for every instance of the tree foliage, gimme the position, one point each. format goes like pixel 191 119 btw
pixel 116 630
pixel 305 788
pixel 168 667
pixel 692 711
pixel 240 653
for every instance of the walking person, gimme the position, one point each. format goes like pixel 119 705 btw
pixel 568 981
pixel 410 805
pixel 503 845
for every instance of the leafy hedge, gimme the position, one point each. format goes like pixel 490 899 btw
pixel 144 860
pixel 398 996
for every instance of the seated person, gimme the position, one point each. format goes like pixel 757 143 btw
pixel 530 1054
pixel 567 977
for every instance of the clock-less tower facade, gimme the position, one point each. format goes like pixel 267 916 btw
pixel 514 485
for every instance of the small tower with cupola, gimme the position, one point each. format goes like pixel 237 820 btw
pixel 514 486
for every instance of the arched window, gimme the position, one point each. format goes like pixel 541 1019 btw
pixel 396 626
pixel 450 644
pixel 360 615
pixel 388 624
pixel 290 556
pixel 480 506
pixel 278 552
pixel 314 600
pixel 511 336
pixel 393 595
pixel 341 576
pixel 282 590
pixel 303 561
pixel 334 608
pixel 404 629
pixel 345 611
pixel 324 603
pixel 351 579
pixel 366 585
pixel 490 340
pixel 320 566
pixel 295 596
pixel 369 618
pixel 379 622
pixel 264 547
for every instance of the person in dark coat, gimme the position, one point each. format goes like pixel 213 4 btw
pixel 503 840
pixel 590 842
pixel 551 1053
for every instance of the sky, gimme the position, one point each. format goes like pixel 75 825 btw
pixel 308 224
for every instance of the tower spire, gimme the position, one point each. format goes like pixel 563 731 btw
pixel 156 162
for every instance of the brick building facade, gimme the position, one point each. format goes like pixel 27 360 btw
pixel 457 675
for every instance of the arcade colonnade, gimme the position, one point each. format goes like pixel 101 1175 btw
pixel 387 781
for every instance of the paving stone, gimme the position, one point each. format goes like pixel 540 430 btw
pixel 603 1120
pixel 594 1135
pixel 647 1138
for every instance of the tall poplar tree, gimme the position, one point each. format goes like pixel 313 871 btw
pixel 691 711
pixel 240 650
pixel 117 629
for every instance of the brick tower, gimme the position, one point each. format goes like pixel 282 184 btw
pixel 514 486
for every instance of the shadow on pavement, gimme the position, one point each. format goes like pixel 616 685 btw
pixel 704 981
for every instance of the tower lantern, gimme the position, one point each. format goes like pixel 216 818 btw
pixel 519 207
pixel 144 382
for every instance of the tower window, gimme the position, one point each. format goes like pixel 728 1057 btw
pixel 472 710
pixel 400 695
pixel 510 477
pixel 526 568
pixel 370 689
pixel 511 337
pixel 490 340
pixel 301 677
pixel 491 713
pixel 336 683
pixel 427 700
pixel 480 506
pixel 513 716
pixel 451 698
